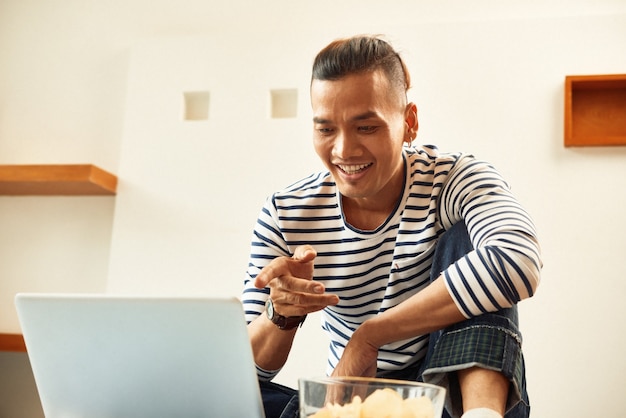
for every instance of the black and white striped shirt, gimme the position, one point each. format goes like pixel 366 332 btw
pixel 372 271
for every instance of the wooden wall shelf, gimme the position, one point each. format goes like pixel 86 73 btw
pixel 595 110
pixel 60 180
pixel 12 342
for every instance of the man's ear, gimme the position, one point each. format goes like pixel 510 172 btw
pixel 410 119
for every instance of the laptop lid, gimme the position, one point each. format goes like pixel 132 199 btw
pixel 104 356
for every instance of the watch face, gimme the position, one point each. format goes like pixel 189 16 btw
pixel 269 308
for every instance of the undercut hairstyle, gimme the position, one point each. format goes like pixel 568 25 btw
pixel 360 54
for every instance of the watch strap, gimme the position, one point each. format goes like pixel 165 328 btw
pixel 281 321
pixel 288 322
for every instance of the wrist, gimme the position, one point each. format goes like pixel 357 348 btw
pixel 370 332
pixel 284 323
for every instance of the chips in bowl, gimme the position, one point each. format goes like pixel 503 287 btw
pixel 369 398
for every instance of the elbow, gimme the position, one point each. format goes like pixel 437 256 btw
pixel 528 272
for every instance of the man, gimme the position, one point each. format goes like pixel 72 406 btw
pixel 416 258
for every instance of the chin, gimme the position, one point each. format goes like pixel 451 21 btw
pixel 350 192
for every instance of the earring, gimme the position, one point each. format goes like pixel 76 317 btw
pixel 410 138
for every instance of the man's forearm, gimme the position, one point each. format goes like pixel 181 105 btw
pixel 270 345
pixel 430 310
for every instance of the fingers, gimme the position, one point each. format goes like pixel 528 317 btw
pixel 300 266
pixel 310 305
pixel 296 285
pixel 269 273
pixel 304 253
pixel 300 293
pixel 291 284
pixel 359 358
pixel 293 296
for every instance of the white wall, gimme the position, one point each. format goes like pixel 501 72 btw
pixel 102 83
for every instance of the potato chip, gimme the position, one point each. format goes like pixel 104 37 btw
pixel 382 403
pixel 322 413
pixel 421 407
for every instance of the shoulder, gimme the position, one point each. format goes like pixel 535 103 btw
pixel 310 183
pixel 430 154
pixel 430 157
pixel 450 168
pixel 306 191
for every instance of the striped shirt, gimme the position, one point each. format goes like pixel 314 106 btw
pixel 372 271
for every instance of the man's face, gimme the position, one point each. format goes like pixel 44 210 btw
pixel 359 126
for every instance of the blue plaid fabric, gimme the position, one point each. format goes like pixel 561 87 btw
pixel 491 341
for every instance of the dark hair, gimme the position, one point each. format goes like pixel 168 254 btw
pixel 360 54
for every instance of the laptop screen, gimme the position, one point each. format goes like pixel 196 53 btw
pixel 121 356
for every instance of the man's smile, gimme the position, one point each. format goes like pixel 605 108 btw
pixel 353 169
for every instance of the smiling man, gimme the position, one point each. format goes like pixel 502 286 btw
pixel 360 124
pixel 416 258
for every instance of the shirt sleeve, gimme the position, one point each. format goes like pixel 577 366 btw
pixel 267 243
pixel 505 265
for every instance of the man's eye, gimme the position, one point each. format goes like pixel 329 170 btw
pixel 367 129
pixel 324 131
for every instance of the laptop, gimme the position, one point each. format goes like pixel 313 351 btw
pixel 105 356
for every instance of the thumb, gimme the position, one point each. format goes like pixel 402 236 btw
pixel 304 253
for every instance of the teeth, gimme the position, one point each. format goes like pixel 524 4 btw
pixel 351 169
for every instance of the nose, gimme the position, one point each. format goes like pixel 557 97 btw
pixel 346 146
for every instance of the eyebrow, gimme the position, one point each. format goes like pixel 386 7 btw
pixel 363 116
pixel 321 121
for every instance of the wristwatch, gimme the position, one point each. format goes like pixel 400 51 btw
pixel 282 322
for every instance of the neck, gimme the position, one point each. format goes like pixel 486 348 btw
pixel 368 214
pixel 363 217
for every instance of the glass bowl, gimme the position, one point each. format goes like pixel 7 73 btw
pixel 348 397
